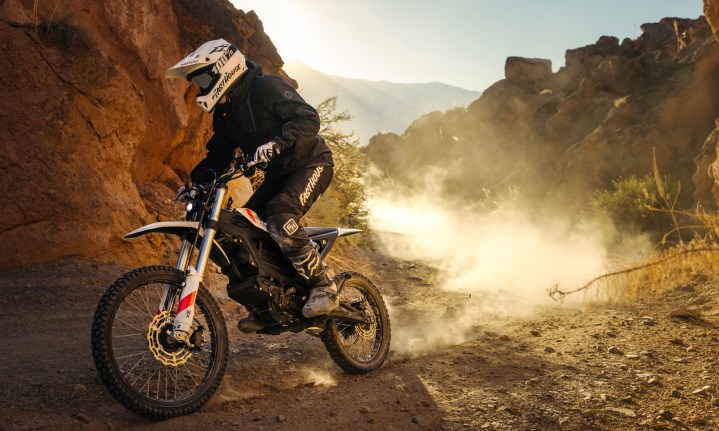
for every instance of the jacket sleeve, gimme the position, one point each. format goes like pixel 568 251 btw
pixel 300 120
pixel 219 156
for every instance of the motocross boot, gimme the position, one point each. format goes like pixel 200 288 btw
pixel 249 324
pixel 323 299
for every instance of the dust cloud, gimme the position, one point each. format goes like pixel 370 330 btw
pixel 318 377
pixel 492 265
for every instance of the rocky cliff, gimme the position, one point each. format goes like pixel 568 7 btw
pixel 559 136
pixel 706 177
pixel 94 138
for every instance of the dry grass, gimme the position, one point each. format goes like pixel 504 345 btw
pixel 684 263
pixel 678 266
pixel 675 261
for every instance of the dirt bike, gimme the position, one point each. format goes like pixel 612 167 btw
pixel 159 339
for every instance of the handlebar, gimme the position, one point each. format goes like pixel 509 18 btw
pixel 187 192
pixel 234 169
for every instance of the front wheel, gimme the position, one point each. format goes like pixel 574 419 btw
pixel 359 347
pixel 136 359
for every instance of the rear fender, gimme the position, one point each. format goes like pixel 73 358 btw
pixel 187 231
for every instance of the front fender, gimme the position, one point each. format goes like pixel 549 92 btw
pixel 185 230
pixel 178 228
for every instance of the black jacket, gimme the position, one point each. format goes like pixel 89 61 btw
pixel 263 108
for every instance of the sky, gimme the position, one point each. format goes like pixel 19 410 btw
pixel 458 42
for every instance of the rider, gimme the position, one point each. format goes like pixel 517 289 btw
pixel 263 115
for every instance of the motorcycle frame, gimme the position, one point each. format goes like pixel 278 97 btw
pixel 210 249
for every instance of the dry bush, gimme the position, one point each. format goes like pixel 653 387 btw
pixel 685 263
pixel 687 242
pixel 682 265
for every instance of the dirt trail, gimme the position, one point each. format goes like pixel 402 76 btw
pixel 598 367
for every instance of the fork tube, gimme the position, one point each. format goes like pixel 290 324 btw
pixel 210 229
pixel 184 256
pixel 182 260
pixel 186 306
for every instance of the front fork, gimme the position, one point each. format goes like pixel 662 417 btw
pixel 186 307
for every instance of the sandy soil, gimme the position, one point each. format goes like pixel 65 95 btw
pixel 603 367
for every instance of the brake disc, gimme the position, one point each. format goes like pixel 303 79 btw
pixel 160 343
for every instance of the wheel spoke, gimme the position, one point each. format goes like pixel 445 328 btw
pixel 360 341
pixel 140 368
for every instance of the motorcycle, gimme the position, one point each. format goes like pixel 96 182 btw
pixel 159 340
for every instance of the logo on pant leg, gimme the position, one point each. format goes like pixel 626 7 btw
pixel 311 185
pixel 290 227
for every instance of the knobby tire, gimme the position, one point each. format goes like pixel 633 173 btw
pixel 337 336
pixel 106 360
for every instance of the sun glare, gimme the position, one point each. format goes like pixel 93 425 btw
pixel 286 26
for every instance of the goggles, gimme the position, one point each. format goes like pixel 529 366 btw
pixel 203 80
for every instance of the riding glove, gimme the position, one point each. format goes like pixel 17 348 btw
pixel 266 152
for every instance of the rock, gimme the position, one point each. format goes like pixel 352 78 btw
pixel 509 409
pixel 72 124
pixel 534 333
pixel 701 391
pixel 625 412
pixel 684 313
pixel 364 409
pixel 674 393
pixel 520 69
pixel 549 349
pixel 615 350
pixel 677 341
pixel 416 420
pixel 648 321
pixel 665 414
pixel 80 387
pixel 632 356
pixel 281 418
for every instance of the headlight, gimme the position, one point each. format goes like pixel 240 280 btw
pixel 189 207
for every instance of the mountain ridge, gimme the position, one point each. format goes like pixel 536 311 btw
pixel 378 106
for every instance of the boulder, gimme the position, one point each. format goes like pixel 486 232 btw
pixel 520 69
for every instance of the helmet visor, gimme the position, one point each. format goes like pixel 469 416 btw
pixel 203 80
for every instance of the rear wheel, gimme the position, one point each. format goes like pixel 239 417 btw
pixel 135 357
pixel 359 347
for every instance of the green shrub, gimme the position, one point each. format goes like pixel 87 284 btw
pixel 350 166
pixel 639 205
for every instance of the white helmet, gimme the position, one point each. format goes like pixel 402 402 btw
pixel 213 67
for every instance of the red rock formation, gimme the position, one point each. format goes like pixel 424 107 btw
pixel 95 139
pixel 706 177
pixel 563 135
